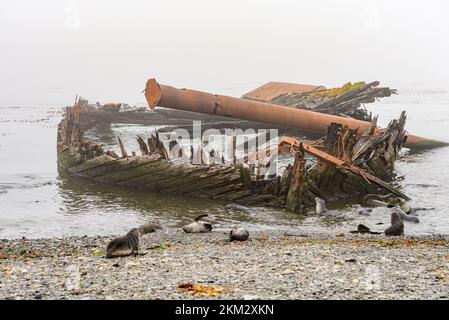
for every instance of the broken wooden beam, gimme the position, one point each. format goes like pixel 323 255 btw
pixel 122 148
pixel 143 146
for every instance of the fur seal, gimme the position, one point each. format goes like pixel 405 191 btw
pixel 321 209
pixel 406 217
pixel 397 226
pixel 124 246
pixel 238 234
pixel 403 216
pixel 361 228
pixel 320 206
pixel 364 211
pixel 404 205
pixel 197 226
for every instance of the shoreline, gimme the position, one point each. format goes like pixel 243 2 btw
pixel 270 265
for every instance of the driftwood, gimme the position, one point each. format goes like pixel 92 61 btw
pixel 345 165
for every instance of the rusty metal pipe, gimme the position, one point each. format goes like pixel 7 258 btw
pixel 213 104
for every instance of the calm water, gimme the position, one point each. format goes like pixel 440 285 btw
pixel 36 202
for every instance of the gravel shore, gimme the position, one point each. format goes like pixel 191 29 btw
pixel 270 265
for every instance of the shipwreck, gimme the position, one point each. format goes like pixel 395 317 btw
pixel 343 156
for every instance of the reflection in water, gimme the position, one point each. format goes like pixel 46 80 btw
pixel 80 195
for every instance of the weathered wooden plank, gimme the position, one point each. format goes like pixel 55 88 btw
pixel 185 179
pixel 141 175
pixel 162 180
pixel 92 164
pixel 68 159
pixel 194 180
pixel 206 186
pixel 116 166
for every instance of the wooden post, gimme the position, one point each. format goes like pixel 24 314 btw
pixel 143 146
pixel 294 196
pixel 122 148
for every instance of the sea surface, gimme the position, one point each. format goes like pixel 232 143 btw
pixel 35 202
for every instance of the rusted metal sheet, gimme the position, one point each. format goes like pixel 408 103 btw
pixel 272 89
pixel 313 122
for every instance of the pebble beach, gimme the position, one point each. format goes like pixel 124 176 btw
pixel 270 265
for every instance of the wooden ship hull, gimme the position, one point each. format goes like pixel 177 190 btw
pixel 339 166
pixel 152 170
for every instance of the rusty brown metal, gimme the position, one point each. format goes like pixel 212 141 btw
pixel 272 89
pixel 213 104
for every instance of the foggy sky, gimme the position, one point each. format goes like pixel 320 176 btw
pixel 105 50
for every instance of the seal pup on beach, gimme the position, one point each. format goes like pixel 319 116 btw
pixel 361 228
pixel 239 234
pixel 320 205
pixel 364 211
pixel 197 226
pixel 397 226
pixel 321 209
pixel 124 246
pixel 405 206
pixel 402 215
